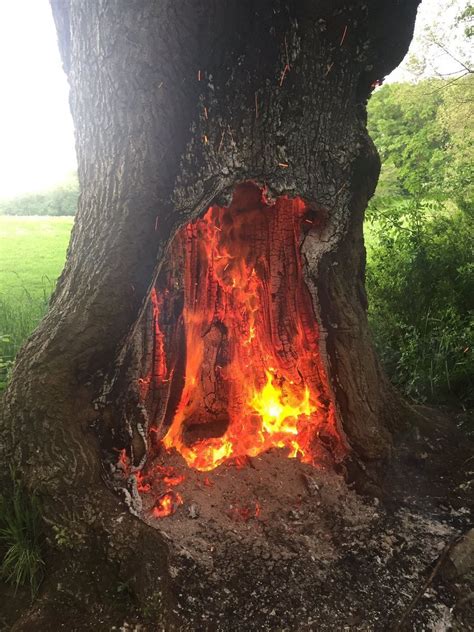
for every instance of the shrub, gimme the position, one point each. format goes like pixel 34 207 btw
pixel 420 285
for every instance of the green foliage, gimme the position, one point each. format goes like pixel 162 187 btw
pixel 419 239
pixel 68 532
pixel 62 538
pixel 420 284
pixel 153 608
pixel 20 536
pixel 466 20
pixel 420 132
pixel 59 201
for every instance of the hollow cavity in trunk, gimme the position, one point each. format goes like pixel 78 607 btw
pixel 235 367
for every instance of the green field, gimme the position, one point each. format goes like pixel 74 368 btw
pixel 32 254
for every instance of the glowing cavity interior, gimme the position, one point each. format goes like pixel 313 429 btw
pixel 252 363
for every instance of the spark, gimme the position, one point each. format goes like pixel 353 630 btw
pixel 343 36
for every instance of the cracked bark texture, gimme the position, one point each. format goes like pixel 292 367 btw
pixel 173 104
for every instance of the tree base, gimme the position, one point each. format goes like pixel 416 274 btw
pixel 328 559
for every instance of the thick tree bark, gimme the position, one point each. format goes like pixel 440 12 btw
pixel 175 103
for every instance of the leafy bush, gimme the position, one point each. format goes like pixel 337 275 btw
pixel 420 285
pixel 419 236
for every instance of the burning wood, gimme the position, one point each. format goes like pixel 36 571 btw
pixel 250 378
pixel 167 504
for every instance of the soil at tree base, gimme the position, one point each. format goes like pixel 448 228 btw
pixel 334 559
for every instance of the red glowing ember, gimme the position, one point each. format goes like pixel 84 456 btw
pixel 172 481
pixel 244 513
pixel 167 504
pixel 143 484
pixel 250 377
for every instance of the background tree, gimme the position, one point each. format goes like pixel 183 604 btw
pixel 61 200
pixel 453 23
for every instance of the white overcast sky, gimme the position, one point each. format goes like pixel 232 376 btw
pixel 36 132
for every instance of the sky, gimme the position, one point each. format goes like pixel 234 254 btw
pixel 439 16
pixel 36 131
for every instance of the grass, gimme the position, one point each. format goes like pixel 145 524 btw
pixel 31 259
pixel 20 537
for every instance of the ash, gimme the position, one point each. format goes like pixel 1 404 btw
pixel 274 544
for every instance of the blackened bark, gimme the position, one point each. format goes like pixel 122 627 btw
pixel 174 103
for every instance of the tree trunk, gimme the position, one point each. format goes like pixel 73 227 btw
pixel 174 105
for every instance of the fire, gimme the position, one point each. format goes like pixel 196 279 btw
pixel 167 504
pixel 207 454
pixel 253 379
pixel 274 411
pixel 143 485
pixel 172 481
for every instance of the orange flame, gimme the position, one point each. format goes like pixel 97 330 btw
pixel 167 504
pixel 252 356
pixel 172 481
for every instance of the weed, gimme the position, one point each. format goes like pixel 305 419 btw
pixel 153 608
pixel 68 537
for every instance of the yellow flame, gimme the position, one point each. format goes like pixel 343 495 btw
pixel 279 416
pixel 207 454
